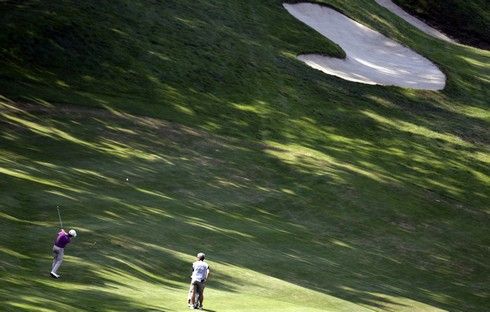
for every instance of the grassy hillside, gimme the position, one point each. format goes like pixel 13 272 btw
pixel 307 192
pixel 466 21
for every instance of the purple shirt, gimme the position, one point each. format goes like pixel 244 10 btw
pixel 62 239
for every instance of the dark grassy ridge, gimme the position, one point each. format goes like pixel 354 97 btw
pixel 386 189
pixel 466 21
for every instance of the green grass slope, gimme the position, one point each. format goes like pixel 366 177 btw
pixel 466 21
pixel 308 193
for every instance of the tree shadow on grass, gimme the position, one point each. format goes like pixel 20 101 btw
pixel 386 184
pixel 259 206
pixel 36 295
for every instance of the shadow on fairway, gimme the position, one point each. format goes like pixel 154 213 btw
pixel 369 193
pixel 254 205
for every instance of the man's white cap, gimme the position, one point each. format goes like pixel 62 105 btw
pixel 72 233
pixel 201 255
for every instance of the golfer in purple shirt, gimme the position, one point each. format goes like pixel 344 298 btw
pixel 60 242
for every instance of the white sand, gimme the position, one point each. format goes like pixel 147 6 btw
pixel 371 57
pixel 413 20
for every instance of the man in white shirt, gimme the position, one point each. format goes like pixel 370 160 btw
pixel 200 274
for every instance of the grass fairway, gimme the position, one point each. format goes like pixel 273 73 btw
pixel 307 193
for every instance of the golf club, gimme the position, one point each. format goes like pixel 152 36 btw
pixel 59 215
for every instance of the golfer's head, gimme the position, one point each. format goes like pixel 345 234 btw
pixel 201 256
pixel 72 233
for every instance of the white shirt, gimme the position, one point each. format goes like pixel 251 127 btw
pixel 199 270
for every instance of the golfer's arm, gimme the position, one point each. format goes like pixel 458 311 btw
pixel 207 274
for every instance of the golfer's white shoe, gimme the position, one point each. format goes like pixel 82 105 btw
pixel 54 275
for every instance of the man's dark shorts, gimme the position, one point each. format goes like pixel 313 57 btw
pixel 199 286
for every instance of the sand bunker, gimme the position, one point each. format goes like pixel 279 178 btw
pixel 371 57
pixel 413 20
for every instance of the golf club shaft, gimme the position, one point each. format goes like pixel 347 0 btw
pixel 59 215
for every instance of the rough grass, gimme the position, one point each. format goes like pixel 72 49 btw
pixel 466 21
pixel 308 193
